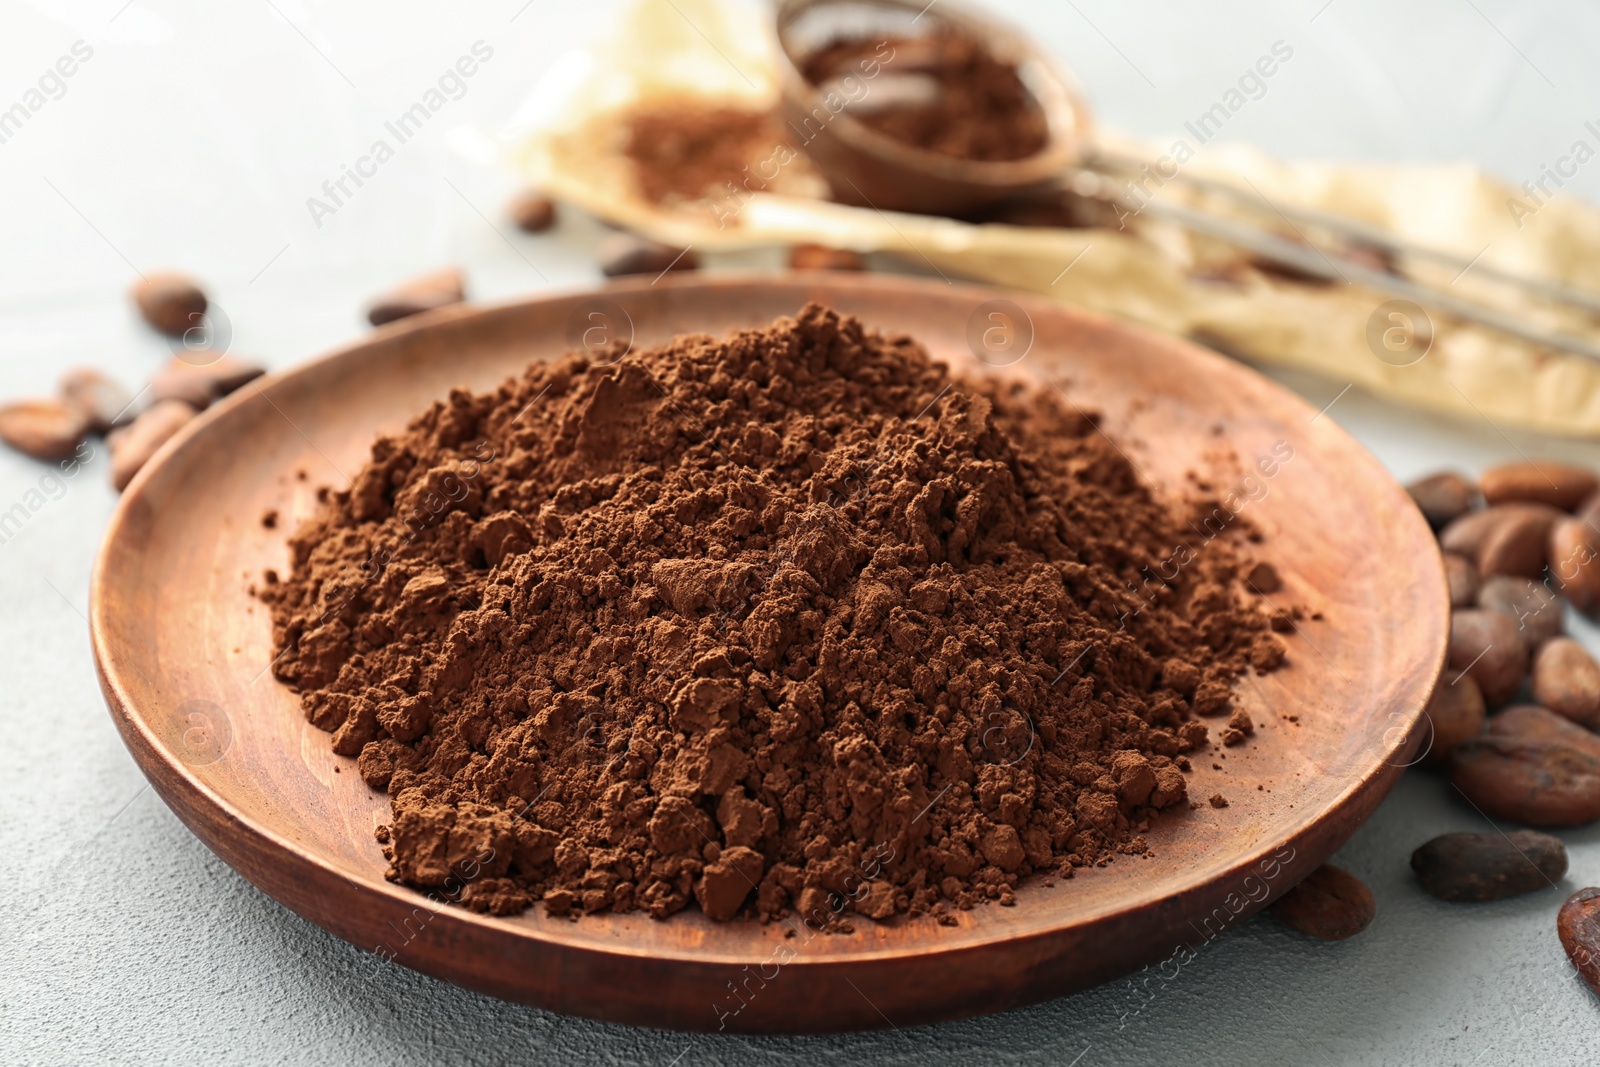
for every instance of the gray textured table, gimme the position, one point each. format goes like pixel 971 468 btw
pixel 192 136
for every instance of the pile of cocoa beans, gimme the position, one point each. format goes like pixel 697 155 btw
pixel 1514 714
pixel 135 425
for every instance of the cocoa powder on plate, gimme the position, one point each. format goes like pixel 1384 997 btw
pixel 790 620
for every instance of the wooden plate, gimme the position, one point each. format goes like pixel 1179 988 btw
pixel 182 650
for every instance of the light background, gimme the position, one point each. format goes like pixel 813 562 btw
pixel 193 137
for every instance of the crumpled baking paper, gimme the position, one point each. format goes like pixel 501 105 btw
pixel 569 139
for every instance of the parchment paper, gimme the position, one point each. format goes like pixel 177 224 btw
pixel 717 53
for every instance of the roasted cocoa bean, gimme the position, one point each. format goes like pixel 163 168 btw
pixel 1516 542
pixel 625 253
pixel 132 446
pixel 104 403
pixel 1497 539
pixel 199 384
pixel 1493 866
pixel 1489 647
pixel 1462 574
pixel 1541 783
pixel 1464 535
pixel 1443 497
pixel 532 211
pixel 169 301
pixel 44 429
pixel 1456 712
pixel 426 292
pixel 1573 555
pixel 1534 723
pixel 1331 904
pixel 1578 926
pixel 1566 679
pixel 1536 609
pixel 1560 485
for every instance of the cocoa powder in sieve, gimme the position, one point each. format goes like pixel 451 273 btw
pixel 790 620
pixel 976 106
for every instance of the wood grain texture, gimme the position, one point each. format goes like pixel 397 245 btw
pixel 183 650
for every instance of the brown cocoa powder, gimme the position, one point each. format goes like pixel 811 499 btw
pixel 786 621
pixel 977 106
pixel 686 151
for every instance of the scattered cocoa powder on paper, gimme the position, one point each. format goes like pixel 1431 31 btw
pixel 786 621
pixel 686 151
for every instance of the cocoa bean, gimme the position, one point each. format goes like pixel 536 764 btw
pixel 1464 535
pixel 532 211
pixel 1534 723
pixel 1566 679
pixel 1516 542
pixel 1456 711
pixel 626 253
pixel 1462 574
pixel 1498 541
pixel 44 429
pixel 1573 553
pixel 1443 497
pixel 1541 783
pixel 132 446
pixel 1478 867
pixel 199 385
pixel 1534 607
pixel 1578 927
pixel 169 301
pixel 821 257
pixel 426 292
pixel 1331 904
pixel 1488 646
pixel 1560 485
pixel 104 403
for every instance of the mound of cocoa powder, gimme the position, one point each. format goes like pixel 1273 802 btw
pixel 787 620
pixel 976 105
